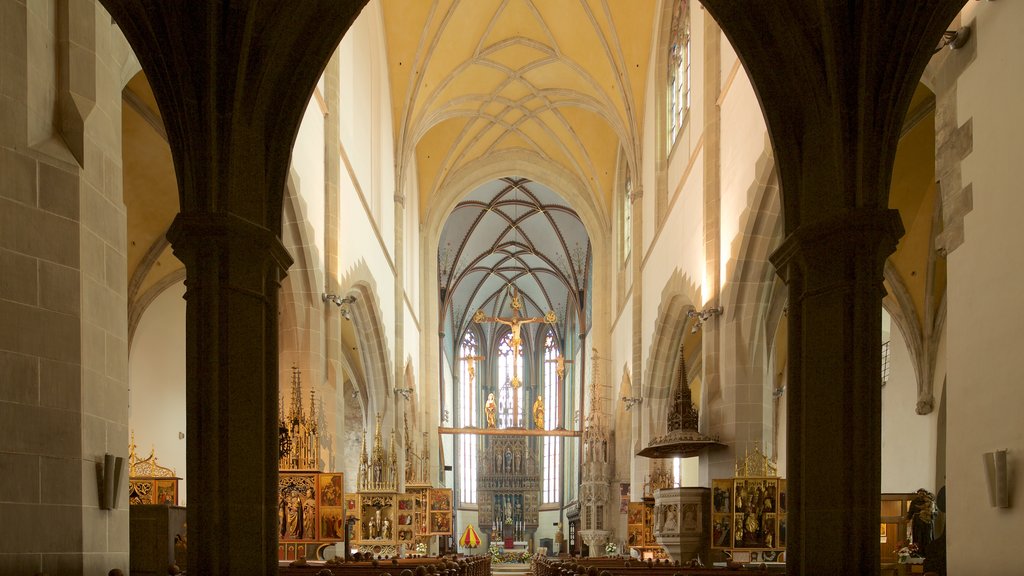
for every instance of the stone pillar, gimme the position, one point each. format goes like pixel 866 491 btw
pixel 856 65
pixel 63 304
pixel 834 273
pixel 233 271
pixel 231 127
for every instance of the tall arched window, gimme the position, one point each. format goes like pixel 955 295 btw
pixel 552 407
pixel 678 68
pixel 468 354
pixel 506 404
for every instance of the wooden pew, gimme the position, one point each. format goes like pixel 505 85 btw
pixel 623 567
pixel 463 566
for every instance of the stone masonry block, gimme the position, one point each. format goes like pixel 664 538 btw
pixel 66 563
pixel 60 481
pixel 19 478
pixel 38 233
pixel 60 385
pixel 39 332
pixel 115 270
pixel 117 359
pixel 93 259
pixel 19 176
pixel 102 307
pixel 43 431
pixel 58 191
pixel 59 288
pixel 18 278
pixel 19 563
pixel 19 379
pixel 94 349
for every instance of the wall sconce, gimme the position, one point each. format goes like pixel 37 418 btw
pixel 108 475
pixel 996 475
pixel 631 401
pixel 702 317
pixel 444 416
pixel 342 303
pixel 405 392
pixel 955 39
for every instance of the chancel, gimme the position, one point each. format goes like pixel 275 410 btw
pixel 597 285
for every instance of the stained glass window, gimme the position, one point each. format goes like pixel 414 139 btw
pixel 552 406
pixel 678 68
pixel 467 416
pixel 506 390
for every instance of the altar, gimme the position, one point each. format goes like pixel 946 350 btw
pixel 508 488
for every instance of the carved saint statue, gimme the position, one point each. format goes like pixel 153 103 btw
pixel 538 413
pixel 491 411
pixel 385 531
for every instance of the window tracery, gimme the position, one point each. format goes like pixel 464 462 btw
pixel 552 447
pixel 468 416
pixel 678 68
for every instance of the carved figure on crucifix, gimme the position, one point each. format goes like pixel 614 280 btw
pixel 471 366
pixel 515 322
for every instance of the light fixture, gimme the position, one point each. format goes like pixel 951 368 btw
pixel 996 476
pixel 342 303
pixel 955 39
pixel 405 392
pixel 702 317
pixel 631 401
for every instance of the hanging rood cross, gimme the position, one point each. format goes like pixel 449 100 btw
pixel 515 322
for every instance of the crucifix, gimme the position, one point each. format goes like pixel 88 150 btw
pixel 515 322
pixel 471 365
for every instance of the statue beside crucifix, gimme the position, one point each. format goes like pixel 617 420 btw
pixel 515 322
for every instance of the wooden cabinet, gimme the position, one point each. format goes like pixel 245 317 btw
pixel 893 529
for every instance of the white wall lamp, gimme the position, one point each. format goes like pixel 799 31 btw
pixel 108 475
pixel 342 303
pixel 631 401
pixel 996 473
pixel 702 317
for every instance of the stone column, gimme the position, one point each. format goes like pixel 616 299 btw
pixel 63 320
pixel 233 270
pixel 834 93
pixel 834 273
pixel 251 69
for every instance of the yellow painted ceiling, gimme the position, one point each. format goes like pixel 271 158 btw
pixel 473 78
pixel 914 194
pixel 150 188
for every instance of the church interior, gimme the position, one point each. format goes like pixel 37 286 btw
pixel 521 281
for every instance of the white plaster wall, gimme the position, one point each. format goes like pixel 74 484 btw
pixel 365 116
pixel 908 438
pixel 308 162
pixel 744 134
pixel 156 382
pixel 984 392
pixel 679 248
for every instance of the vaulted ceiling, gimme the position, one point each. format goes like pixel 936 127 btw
pixel 513 232
pixel 471 79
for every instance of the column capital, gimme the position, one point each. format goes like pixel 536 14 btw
pixel 827 244
pixel 195 232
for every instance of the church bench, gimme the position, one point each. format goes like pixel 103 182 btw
pixel 468 566
pixel 618 567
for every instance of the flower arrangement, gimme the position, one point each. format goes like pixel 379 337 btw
pixel 421 548
pixel 611 549
pixel 906 551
